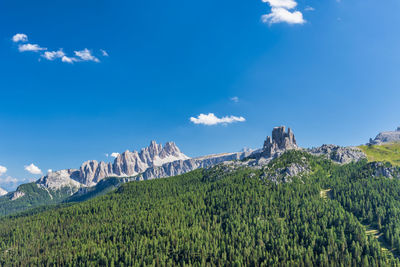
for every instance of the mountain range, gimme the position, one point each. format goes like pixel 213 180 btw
pixel 158 161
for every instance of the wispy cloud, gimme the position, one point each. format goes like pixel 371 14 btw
pixel 33 169
pixel 309 8
pixel 211 119
pixel 104 52
pixel 86 55
pixel 235 99
pixel 20 37
pixel 8 180
pixel 52 55
pixel 30 47
pixel 10 183
pixel 3 170
pixel 282 12
pixel 70 60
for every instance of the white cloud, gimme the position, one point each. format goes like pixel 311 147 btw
pixel 279 15
pixel 280 12
pixel 8 180
pixel 3 170
pixel 104 52
pixel 80 55
pixel 51 55
pixel 33 169
pixel 49 171
pixel 309 8
pixel 211 119
pixel 30 47
pixel 20 37
pixel 288 4
pixel 68 59
pixel 86 55
pixel 114 154
pixel 235 99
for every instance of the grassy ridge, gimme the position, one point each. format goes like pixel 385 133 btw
pixel 385 153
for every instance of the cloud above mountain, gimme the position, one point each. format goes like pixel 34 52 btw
pixel 211 119
pixel 3 170
pixel 282 11
pixel 33 169
pixel 52 55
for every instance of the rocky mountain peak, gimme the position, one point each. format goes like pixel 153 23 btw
pixel 129 163
pixel 280 141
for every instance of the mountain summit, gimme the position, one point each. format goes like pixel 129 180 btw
pixel 280 141
pixel 129 163
pixel 386 137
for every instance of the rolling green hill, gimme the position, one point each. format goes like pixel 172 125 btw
pixel 385 153
pixel 34 196
pixel 221 216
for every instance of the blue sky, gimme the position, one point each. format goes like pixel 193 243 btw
pixel 328 69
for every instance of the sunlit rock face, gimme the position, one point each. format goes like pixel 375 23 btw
pixel 280 141
pixel 386 137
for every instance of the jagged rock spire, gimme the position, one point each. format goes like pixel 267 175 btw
pixel 280 141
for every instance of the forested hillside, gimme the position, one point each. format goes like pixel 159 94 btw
pixel 220 216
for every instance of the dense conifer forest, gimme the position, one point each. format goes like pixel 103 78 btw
pixel 217 217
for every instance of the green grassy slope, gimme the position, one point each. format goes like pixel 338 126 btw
pixel 217 217
pixel 385 153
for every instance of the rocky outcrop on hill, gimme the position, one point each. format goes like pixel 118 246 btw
pixel 338 154
pixel 386 137
pixel 381 169
pixel 279 142
pixel 16 195
pixel 286 173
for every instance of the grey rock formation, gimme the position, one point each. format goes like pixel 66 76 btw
pixel 286 174
pixel 338 154
pixel 59 179
pixel 280 141
pixel 3 192
pixel 386 137
pixel 16 195
pixel 383 170
pixel 184 166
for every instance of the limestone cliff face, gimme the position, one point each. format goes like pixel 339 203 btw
pixel 280 141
